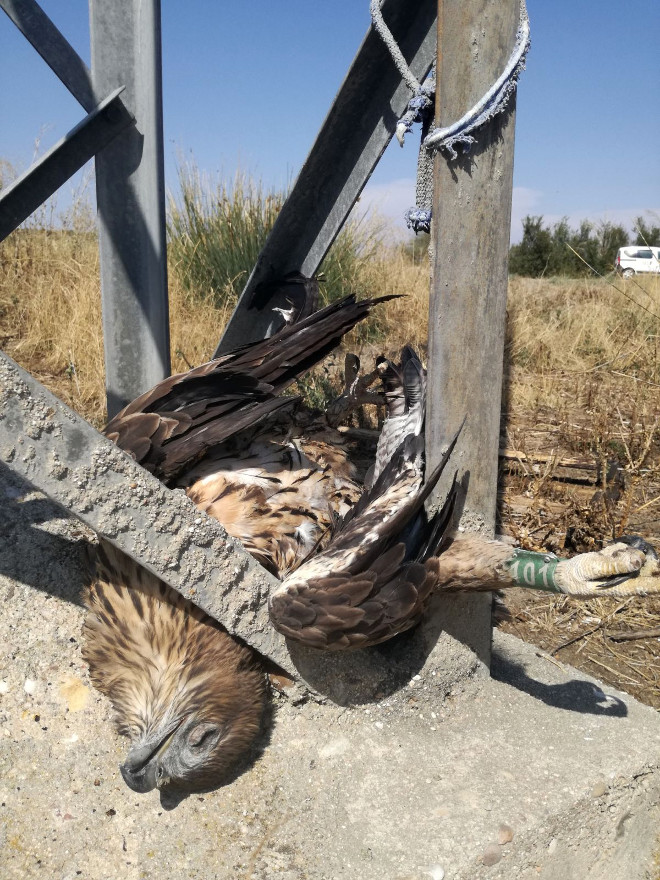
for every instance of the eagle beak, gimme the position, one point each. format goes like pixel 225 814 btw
pixel 138 773
pixel 141 770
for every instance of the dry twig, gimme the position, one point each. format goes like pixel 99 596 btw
pixel 632 635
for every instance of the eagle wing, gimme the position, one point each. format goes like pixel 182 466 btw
pixel 376 576
pixel 356 570
pixel 172 426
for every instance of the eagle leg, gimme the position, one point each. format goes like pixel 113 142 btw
pixel 617 571
pixel 355 393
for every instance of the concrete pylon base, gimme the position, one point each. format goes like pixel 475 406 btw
pixel 537 772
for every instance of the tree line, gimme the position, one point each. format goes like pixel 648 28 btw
pixel 561 250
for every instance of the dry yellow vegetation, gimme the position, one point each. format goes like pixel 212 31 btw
pixel 50 312
pixel 565 338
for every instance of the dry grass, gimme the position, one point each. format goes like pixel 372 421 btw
pixel 563 330
pixel 50 313
pixel 405 320
pixel 50 316
pixel 196 325
pixel 582 383
pixel 582 380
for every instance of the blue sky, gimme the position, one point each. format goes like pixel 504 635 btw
pixel 248 85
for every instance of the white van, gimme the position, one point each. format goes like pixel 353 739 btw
pixel 637 259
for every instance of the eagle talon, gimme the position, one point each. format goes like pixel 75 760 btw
pixel 615 581
pixel 647 549
pixel 619 570
pixel 355 393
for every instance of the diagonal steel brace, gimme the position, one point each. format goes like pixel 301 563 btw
pixel 55 50
pixel 55 167
pixel 358 128
pixel 57 451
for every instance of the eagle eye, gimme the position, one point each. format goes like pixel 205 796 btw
pixel 201 735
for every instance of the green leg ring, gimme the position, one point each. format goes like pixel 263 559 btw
pixel 535 571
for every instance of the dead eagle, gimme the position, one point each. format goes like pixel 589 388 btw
pixel 357 562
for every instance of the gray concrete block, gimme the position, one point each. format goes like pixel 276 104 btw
pixel 417 784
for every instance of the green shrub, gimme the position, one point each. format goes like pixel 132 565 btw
pixel 560 250
pixel 216 231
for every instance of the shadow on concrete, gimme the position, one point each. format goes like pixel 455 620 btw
pixel 367 676
pixel 575 695
pixel 31 551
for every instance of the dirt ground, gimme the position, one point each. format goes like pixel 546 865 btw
pixel 558 494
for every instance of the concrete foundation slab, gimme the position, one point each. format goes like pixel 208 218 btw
pixel 539 772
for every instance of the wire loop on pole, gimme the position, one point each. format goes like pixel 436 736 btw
pixel 458 134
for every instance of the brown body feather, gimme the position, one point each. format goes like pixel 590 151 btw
pixel 280 498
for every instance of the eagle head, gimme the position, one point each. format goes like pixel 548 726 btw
pixel 189 696
pixel 193 739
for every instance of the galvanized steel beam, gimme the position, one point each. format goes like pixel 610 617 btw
pixel 471 224
pixel 353 137
pixel 58 54
pixel 55 167
pixel 130 181
pixel 130 191
pixel 61 455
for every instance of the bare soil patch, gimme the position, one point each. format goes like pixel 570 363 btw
pixel 566 489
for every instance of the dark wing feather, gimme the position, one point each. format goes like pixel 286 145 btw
pixel 176 422
pixel 374 579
